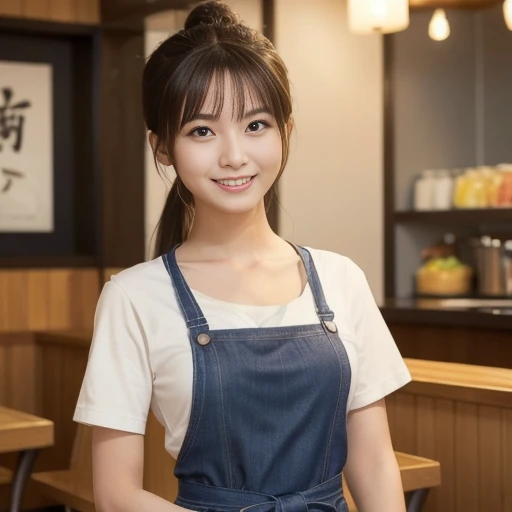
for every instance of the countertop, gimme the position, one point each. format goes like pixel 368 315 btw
pixel 490 313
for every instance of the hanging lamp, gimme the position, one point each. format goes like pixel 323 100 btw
pixel 507 12
pixel 378 16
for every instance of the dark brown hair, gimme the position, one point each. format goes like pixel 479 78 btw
pixel 212 45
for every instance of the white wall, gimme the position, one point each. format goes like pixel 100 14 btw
pixel 331 191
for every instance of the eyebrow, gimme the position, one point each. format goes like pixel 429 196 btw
pixel 211 117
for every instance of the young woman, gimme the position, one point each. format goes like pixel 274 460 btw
pixel 266 362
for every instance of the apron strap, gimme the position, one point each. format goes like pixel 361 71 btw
pixel 188 304
pixel 322 309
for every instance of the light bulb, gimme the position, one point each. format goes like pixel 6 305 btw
pixel 507 11
pixel 439 28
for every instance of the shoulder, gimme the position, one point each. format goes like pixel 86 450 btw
pixel 146 287
pixel 142 277
pixel 332 265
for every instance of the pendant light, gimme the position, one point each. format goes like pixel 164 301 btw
pixel 507 12
pixel 378 16
pixel 439 28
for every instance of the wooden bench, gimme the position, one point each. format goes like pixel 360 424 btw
pixel 73 487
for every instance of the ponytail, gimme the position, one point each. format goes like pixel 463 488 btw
pixel 176 220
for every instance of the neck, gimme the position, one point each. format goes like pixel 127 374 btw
pixel 222 235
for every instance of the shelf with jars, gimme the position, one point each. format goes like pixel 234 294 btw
pixel 475 205
pixel 468 188
pixel 474 195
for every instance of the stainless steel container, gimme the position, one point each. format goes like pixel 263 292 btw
pixel 493 257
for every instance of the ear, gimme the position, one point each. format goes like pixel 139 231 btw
pixel 289 126
pixel 161 156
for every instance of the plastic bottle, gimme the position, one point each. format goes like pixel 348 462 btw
pixel 424 191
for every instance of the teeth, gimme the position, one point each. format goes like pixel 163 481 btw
pixel 233 183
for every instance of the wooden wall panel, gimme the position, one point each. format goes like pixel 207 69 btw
pixel 453 344
pixel 506 475
pixel 443 498
pixel 38 9
pixel 466 455
pixel 87 11
pixel 490 456
pixel 18 372
pixel 65 11
pixel 62 10
pixel 62 372
pixel 10 7
pixel 51 299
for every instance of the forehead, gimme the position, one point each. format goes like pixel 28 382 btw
pixel 230 95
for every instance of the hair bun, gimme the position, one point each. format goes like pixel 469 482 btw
pixel 211 13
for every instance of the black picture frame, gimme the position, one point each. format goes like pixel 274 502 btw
pixel 73 240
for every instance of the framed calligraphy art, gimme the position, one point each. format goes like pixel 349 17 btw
pixel 26 147
pixel 47 157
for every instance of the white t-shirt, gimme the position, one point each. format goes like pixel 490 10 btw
pixel 141 357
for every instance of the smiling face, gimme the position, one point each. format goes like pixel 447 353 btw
pixel 228 162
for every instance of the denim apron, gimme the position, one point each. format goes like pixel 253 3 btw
pixel 267 430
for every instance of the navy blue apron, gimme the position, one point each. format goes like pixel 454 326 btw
pixel 267 430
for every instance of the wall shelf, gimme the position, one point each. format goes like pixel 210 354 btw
pixel 469 216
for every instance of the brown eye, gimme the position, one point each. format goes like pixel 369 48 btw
pixel 201 131
pixel 255 126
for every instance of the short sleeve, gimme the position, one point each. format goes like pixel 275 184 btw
pixel 117 386
pixel 381 368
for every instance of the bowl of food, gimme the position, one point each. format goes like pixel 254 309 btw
pixel 444 276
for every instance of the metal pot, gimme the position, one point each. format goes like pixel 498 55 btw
pixel 493 258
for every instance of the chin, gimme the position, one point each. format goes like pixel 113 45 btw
pixel 236 210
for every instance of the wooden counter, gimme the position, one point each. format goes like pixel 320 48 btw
pixel 460 415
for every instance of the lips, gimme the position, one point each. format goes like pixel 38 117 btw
pixel 232 182
pixel 244 184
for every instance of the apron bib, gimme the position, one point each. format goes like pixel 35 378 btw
pixel 267 430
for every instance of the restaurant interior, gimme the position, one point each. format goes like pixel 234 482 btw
pixel 401 160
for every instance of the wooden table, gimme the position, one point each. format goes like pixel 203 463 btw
pixel 418 474
pixel 27 434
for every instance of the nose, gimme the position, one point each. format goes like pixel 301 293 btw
pixel 233 152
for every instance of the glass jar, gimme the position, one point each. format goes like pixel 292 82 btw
pixel 443 190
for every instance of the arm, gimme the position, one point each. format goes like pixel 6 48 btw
pixel 372 472
pixel 118 465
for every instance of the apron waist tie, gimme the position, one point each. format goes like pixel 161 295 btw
pixel 318 498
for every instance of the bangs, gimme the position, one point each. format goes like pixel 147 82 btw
pixel 251 81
